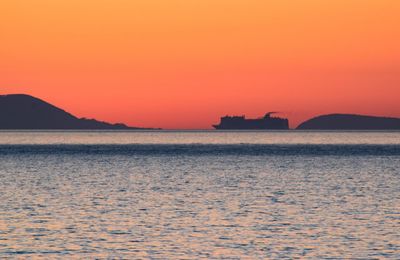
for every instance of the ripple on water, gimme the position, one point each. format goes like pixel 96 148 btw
pixel 228 206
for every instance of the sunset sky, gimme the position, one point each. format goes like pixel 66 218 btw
pixel 185 63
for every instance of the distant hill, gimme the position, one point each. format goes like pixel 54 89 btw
pixel 350 122
pixel 21 111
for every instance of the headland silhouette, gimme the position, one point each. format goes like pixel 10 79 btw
pixel 20 111
pixel 350 122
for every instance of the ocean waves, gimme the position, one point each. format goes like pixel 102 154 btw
pixel 205 149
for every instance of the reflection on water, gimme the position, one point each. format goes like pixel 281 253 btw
pixel 181 205
pixel 199 137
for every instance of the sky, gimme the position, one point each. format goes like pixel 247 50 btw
pixel 181 64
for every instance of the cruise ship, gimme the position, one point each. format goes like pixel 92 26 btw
pixel 268 122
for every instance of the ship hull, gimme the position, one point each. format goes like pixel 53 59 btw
pixel 218 127
pixel 241 123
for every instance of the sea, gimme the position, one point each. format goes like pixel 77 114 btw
pixel 199 195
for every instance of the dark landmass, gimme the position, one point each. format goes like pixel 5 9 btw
pixel 350 122
pixel 21 111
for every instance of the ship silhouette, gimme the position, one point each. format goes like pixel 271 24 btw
pixel 268 122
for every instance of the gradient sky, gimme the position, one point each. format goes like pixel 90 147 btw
pixel 184 63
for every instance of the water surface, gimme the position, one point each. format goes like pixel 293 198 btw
pixel 194 194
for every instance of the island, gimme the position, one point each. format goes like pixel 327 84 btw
pixel 20 111
pixel 350 122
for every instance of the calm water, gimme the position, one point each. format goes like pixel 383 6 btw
pixel 191 195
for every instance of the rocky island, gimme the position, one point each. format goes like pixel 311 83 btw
pixel 350 122
pixel 20 111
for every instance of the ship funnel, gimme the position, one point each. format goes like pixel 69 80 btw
pixel 270 113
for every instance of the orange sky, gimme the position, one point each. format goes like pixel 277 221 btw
pixel 184 63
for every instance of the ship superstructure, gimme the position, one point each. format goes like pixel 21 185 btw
pixel 268 122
